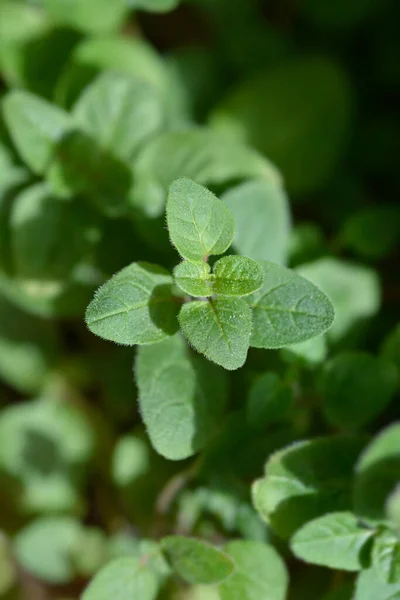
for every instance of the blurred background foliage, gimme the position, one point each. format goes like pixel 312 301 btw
pixel 219 89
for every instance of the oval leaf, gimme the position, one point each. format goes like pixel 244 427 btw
pixel 123 578
pixel 196 561
pixel 334 540
pixel 260 573
pixel 237 276
pixel 199 223
pixel 135 306
pixel 194 278
pixel 288 309
pixel 219 329
pixel 181 397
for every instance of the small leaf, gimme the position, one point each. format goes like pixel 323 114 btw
pixel 377 474
pixel 181 397
pixel 260 573
pixel 220 329
pixel 44 548
pixel 199 224
pixel 123 578
pixel 237 276
pixel 370 587
pixel 135 306
pixel 306 480
pixel 288 309
pixel 269 401
pixel 334 540
pixel 36 126
pixel 194 278
pixel 386 557
pixel 120 112
pixel 262 216
pixel 353 289
pixel 195 561
pixel 356 387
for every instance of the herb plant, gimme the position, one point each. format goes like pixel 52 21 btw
pixel 211 186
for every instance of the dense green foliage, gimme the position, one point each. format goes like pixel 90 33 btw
pixel 199 325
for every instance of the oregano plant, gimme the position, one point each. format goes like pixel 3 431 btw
pixel 199 325
pixel 226 308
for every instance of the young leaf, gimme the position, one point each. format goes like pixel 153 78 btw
pixel 237 276
pixel 198 223
pixel 123 578
pixel 262 216
pixel 334 540
pixel 386 557
pixel 135 306
pixel 194 278
pixel 36 126
pixel 44 548
pixel 356 387
pixel 370 587
pixel 120 112
pixel 195 561
pixel 288 309
pixel 220 329
pixel 269 401
pixel 181 397
pixel 260 573
pixel 306 480
pixel 377 474
pixel 353 289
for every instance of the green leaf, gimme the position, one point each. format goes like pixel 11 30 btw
pixel 199 224
pixel 334 540
pixel 135 306
pixel 154 5
pixel 195 561
pixel 44 548
pixel 36 127
pixel 49 236
pixel 130 460
pixel 393 508
pixel 282 112
pixel 288 309
pixel 181 397
pixel 120 112
pixel 44 445
pixel 205 156
pixel 237 276
pixel 82 166
pixel 91 16
pixel 269 401
pixel 377 474
pixel 260 573
pixel 353 289
pixel 386 557
pixel 306 480
pixel 194 278
pixel 29 348
pixel 220 329
pixel 356 387
pixel 121 579
pixel 370 587
pixel 262 216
